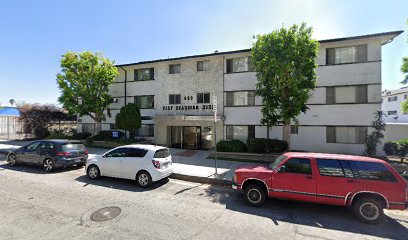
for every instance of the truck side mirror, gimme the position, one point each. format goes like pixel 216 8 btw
pixel 282 169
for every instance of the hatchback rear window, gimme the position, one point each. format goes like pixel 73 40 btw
pixel 162 153
pixel 72 146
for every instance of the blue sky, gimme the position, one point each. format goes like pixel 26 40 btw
pixel 34 34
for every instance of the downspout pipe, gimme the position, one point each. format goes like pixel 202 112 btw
pixel 125 82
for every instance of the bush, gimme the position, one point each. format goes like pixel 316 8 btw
pixel 106 135
pixel 231 146
pixel 260 145
pixel 41 132
pixel 81 136
pixel 58 135
pixel 391 148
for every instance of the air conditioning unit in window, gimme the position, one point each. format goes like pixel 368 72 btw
pixel 115 100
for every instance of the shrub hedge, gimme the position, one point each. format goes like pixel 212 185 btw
pixel 231 146
pixel 260 145
pixel 399 148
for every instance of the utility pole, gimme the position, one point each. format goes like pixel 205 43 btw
pixel 215 131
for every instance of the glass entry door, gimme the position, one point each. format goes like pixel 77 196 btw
pixel 192 137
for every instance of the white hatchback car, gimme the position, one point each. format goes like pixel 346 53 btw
pixel 144 163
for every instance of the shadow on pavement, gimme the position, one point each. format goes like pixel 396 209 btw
pixel 118 183
pixel 35 169
pixel 309 214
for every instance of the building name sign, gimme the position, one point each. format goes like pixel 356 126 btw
pixel 187 107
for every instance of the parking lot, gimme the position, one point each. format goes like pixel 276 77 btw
pixel 60 205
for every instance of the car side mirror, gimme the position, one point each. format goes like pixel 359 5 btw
pixel 104 155
pixel 282 169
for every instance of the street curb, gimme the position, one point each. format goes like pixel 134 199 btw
pixel 205 180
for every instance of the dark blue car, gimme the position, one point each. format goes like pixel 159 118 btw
pixel 50 154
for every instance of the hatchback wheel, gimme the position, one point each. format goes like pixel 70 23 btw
pixel 254 195
pixel 48 165
pixel 369 210
pixel 11 159
pixel 93 172
pixel 143 179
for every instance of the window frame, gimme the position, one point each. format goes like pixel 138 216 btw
pixel 136 74
pixel 202 97
pixel 148 135
pixel 140 96
pixel 174 98
pixel 298 158
pixel 333 138
pixel 358 49
pixel 357 174
pixel 250 129
pixel 203 69
pixel 229 93
pixel 360 94
pixel 247 65
pixel 173 67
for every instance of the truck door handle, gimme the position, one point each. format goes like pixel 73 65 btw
pixel 308 177
pixel 350 181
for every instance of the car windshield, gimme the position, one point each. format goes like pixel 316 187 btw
pixel 72 146
pixel 277 161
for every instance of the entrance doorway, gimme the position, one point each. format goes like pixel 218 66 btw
pixel 187 137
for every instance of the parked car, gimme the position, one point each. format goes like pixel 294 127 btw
pixel 143 163
pixel 366 185
pixel 50 154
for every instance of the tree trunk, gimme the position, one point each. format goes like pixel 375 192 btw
pixel 98 126
pixel 286 133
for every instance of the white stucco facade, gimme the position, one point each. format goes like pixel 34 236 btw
pixel 341 107
pixel 392 105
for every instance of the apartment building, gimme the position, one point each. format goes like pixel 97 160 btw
pixel 392 105
pixel 176 96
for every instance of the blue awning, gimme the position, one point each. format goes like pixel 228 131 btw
pixel 9 111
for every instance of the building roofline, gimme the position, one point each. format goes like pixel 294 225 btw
pixel 396 33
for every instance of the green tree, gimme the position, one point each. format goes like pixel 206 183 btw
pixel 129 119
pixel 404 69
pixel 374 138
pixel 84 82
pixel 285 65
pixel 12 102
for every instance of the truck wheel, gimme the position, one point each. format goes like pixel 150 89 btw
pixel 368 210
pixel 255 195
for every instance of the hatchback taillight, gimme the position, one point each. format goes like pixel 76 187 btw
pixel 156 164
pixel 86 152
pixel 65 154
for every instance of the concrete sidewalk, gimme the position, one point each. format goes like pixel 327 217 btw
pixel 189 165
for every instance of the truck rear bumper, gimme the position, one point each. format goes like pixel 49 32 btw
pixel 398 205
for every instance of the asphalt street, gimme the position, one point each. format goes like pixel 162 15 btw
pixel 60 205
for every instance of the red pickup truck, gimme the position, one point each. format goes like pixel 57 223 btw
pixel 366 185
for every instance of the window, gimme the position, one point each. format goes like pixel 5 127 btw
pixel 136 152
pixel 297 165
pixel 203 65
pixel 115 100
pixel 72 146
pixel 372 171
pixel 294 129
pixel 33 146
pixel 346 134
pixel 392 112
pixel 245 98
pixel 341 55
pixel 392 98
pixel 145 101
pixel 240 132
pixel 145 130
pixel 112 126
pixel 174 68
pixel 144 74
pixel 203 97
pixel 47 145
pixel 405 96
pixel 330 167
pixel 162 153
pixel 242 64
pixel 174 99
pixel 119 152
pixel 346 94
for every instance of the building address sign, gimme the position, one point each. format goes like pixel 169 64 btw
pixel 188 107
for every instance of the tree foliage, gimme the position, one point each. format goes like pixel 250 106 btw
pixel 39 118
pixel 374 138
pixel 84 83
pixel 404 69
pixel 285 65
pixel 129 119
